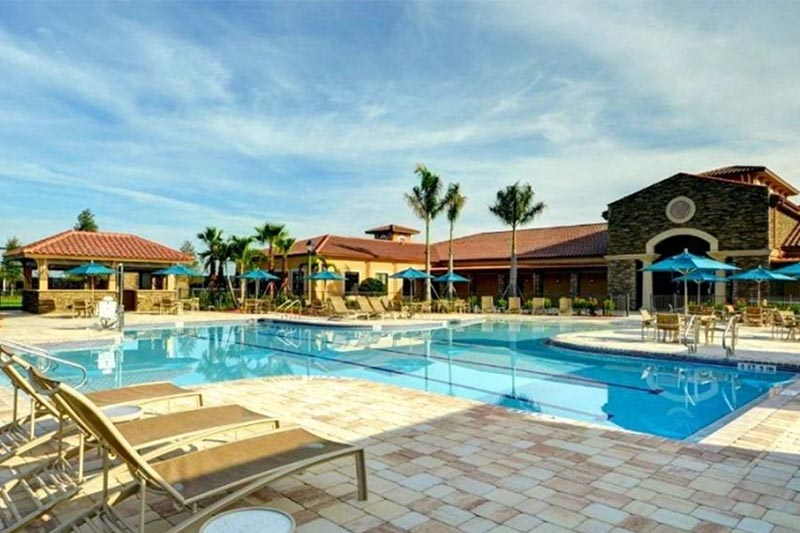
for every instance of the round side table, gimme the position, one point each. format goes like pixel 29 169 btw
pixel 249 519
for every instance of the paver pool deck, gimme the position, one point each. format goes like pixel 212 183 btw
pixel 438 463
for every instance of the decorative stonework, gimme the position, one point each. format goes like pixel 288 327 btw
pixel 680 209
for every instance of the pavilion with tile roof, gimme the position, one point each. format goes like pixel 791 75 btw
pixel 43 260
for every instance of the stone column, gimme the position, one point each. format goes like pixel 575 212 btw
pixel 719 286
pixel 41 264
pixel 112 279
pixel 573 284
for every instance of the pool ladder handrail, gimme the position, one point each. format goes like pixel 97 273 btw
pixel 48 358
pixel 286 307
pixel 693 326
pixel 730 327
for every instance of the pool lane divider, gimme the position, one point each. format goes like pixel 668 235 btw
pixel 558 377
pixel 402 373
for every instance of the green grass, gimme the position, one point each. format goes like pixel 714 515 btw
pixel 7 301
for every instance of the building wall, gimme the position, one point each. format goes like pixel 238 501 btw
pixel 737 215
pixel 781 226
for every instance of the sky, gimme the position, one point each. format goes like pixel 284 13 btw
pixel 166 117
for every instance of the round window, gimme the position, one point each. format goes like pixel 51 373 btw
pixel 680 209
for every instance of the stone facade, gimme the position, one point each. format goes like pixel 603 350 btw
pixel 622 278
pixel 58 301
pixel 736 214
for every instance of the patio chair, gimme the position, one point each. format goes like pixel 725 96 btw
pixel 668 326
pixel 648 322
pixel 168 306
pixel 753 316
pixel 82 308
pixel 565 306
pixel 27 431
pixel 340 310
pixel 220 475
pixel 514 305
pixel 365 307
pixel 784 322
pixel 487 304
pixel 378 305
pixel 537 305
pixel 56 477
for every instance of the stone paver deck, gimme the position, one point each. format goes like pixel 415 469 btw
pixel 442 464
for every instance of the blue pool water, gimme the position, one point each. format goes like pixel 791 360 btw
pixel 503 363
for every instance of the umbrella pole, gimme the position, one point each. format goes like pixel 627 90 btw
pixel 685 296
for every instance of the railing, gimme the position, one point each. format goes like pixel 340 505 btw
pixel 286 307
pixel 693 326
pixel 730 330
pixel 46 360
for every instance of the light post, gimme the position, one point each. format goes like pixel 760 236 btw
pixel 310 250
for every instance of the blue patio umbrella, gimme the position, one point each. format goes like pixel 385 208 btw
pixel 684 264
pixel 326 276
pixel 411 274
pixel 91 270
pixel 760 275
pixel 451 277
pixel 700 277
pixel 178 270
pixel 259 275
pixel 790 270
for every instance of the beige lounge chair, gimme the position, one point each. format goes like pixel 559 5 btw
pixel 38 482
pixel 565 306
pixel 340 310
pixel 514 304
pixel 365 307
pixel 218 476
pixel 537 305
pixel 487 304
pixel 378 305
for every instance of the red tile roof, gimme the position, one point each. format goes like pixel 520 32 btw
pixel 337 246
pixel 393 228
pixel 585 240
pixel 100 245
pixel 742 172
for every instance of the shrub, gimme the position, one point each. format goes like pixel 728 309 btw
pixel 548 303
pixel 501 303
pixel 372 285
pixel 609 306
pixel 472 301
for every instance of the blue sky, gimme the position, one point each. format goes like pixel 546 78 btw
pixel 166 117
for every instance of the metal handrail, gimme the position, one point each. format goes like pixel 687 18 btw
pixel 694 326
pixel 49 358
pixel 730 327
pixel 287 306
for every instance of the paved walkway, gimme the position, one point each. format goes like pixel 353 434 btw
pixel 442 464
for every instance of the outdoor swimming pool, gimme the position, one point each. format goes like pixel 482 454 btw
pixel 503 363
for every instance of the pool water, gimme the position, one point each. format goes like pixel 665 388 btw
pixel 503 363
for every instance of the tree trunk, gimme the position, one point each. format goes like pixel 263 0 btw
pixel 428 259
pixel 242 285
pixel 450 262
pixel 512 282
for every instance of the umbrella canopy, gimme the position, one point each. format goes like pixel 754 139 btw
pixel 259 274
pixel 90 269
pixel 451 277
pixel 178 270
pixel 791 270
pixel 326 275
pixel 759 275
pixel 701 276
pixel 410 273
pixel 686 263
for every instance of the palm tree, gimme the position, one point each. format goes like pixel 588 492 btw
pixel 212 238
pixel 284 245
pixel 426 202
pixel 515 206
pixel 454 204
pixel 240 254
pixel 267 235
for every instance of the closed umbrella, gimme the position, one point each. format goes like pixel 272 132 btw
pixel 259 275
pixel 91 270
pixel 760 275
pixel 326 276
pixel 686 263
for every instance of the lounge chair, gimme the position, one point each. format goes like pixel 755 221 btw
pixel 365 307
pixel 565 306
pixel 25 432
pixel 40 481
pixel 378 305
pixel 487 304
pixel 514 304
pixel 227 472
pixel 648 322
pixel 668 325
pixel 340 310
pixel 537 305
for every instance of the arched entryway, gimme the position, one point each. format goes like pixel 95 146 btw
pixel 659 289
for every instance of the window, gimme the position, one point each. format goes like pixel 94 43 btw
pixel 350 282
pixel 383 277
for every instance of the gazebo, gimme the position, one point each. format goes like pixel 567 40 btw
pixel 44 262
